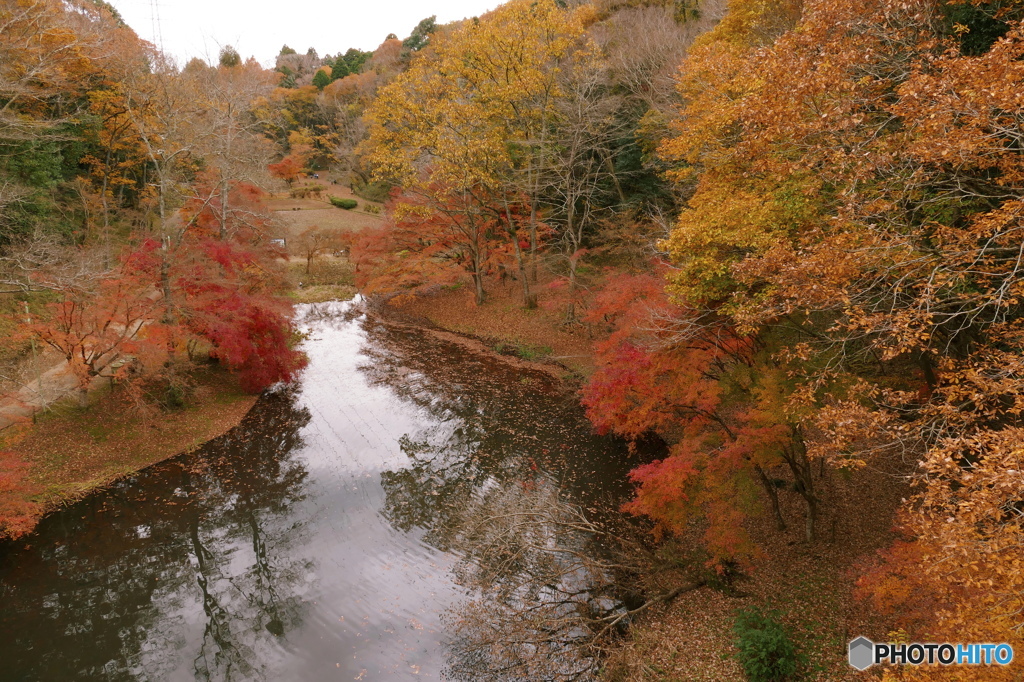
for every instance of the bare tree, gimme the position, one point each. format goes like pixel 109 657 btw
pixel 315 241
pixel 230 138
pixel 645 46
pixel 580 170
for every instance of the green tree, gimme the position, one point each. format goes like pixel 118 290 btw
pixel 321 80
pixel 354 59
pixel 229 56
pixel 420 36
pixel 340 68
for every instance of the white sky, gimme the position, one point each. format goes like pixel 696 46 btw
pixel 258 28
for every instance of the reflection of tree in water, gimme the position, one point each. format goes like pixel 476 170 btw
pixel 491 482
pixel 109 587
pixel 244 609
pixel 548 593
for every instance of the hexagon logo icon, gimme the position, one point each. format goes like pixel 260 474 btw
pixel 862 653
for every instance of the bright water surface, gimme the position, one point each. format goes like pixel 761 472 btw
pixel 316 541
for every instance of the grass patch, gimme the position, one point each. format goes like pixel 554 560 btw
pixel 326 271
pixel 329 279
pixel 523 350
pixel 321 293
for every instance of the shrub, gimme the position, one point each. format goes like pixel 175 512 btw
pixel 307 191
pixel 373 191
pixel 346 204
pixel 765 650
pixel 372 208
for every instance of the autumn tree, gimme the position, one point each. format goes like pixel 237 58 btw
pixel 434 238
pixel 856 182
pixel 315 241
pixel 95 324
pixel 228 297
pixel 153 159
pixel 662 371
pixel 51 55
pixel 288 169
pixel 18 513
pixel 472 118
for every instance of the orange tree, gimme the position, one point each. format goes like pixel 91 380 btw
pixel 856 208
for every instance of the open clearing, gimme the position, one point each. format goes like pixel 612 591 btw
pixel 297 215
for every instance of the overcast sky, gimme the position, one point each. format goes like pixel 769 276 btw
pixel 258 28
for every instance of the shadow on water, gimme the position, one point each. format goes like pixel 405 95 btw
pixel 389 518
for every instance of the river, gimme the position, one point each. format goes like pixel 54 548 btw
pixel 326 537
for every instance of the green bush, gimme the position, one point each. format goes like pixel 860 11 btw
pixel 374 191
pixel 766 652
pixel 347 204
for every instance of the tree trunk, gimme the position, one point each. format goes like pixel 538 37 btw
pixel 803 477
pixel 812 517
pixel 570 229
pixel 570 309
pixel 83 397
pixel 223 206
pixel 529 299
pixel 477 258
pixel 610 165
pixel 478 285
pixel 165 279
pixel 224 179
pixel 773 497
pixel 536 171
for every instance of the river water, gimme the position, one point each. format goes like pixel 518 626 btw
pixel 322 539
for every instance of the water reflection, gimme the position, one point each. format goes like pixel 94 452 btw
pixel 508 477
pixel 103 590
pixel 332 534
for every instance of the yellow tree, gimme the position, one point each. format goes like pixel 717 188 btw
pixel 471 115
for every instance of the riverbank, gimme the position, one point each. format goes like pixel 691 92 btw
pixel 68 452
pixel 503 325
pixel 809 586
pixel 71 451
